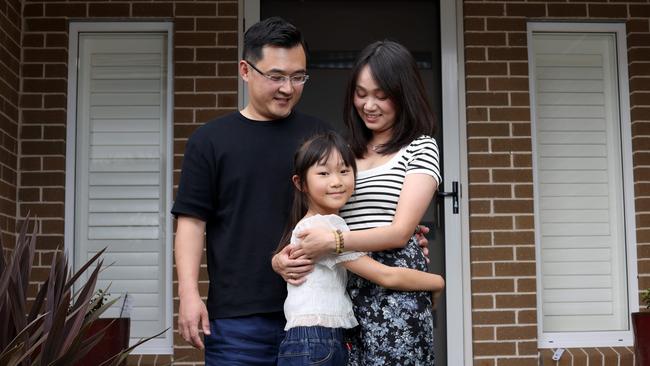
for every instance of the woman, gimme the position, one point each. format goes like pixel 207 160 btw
pixel 390 125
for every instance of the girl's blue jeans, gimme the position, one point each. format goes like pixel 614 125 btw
pixel 303 346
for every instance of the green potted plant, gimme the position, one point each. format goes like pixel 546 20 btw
pixel 52 330
pixel 641 326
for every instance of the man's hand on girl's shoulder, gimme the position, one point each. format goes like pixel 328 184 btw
pixel 420 233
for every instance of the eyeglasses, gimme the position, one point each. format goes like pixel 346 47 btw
pixel 279 79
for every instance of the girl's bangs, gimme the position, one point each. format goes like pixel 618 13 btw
pixel 343 154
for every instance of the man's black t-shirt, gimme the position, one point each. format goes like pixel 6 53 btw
pixel 236 176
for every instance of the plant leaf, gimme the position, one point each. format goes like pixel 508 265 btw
pixel 77 321
pixel 35 327
pixel 53 330
pixel 120 357
pixel 27 259
pixel 52 347
pixel 81 348
pixel 97 313
pixel 83 268
pixel 12 356
pixel 38 302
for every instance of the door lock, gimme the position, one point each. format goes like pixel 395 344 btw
pixel 453 194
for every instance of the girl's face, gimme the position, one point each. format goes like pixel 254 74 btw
pixel 376 110
pixel 328 186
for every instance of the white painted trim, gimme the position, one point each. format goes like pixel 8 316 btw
pixel 628 169
pixel 249 14
pixel 594 339
pixel 464 180
pixel 70 150
pixel 457 261
pixel 169 184
pixel 166 345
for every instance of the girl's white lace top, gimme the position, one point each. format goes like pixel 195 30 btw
pixel 322 299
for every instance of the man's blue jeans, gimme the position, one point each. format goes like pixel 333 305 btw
pixel 246 341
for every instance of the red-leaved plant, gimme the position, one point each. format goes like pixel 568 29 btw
pixel 52 331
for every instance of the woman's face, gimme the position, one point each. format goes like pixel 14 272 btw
pixel 373 106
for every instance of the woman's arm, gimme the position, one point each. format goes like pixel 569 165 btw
pixel 396 278
pixel 416 194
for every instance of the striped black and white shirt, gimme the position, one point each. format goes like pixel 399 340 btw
pixel 374 201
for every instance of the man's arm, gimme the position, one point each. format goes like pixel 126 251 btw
pixel 293 271
pixel 192 313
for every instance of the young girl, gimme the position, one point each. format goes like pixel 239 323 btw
pixel 319 310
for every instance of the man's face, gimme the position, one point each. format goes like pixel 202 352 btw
pixel 269 99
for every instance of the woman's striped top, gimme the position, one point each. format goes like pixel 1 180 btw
pixel 377 191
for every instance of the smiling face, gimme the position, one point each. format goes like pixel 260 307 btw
pixel 328 186
pixel 374 107
pixel 269 100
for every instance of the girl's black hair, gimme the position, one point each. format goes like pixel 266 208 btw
pixel 316 150
pixel 395 71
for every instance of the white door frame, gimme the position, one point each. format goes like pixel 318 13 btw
pixel 457 262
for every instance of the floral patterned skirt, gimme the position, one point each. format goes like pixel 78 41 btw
pixel 395 327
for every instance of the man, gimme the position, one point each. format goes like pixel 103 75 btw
pixel 235 187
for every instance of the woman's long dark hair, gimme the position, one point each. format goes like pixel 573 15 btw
pixel 316 150
pixel 395 71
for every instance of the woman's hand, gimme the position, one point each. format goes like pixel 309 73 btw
pixel 292 270
pixel 314 243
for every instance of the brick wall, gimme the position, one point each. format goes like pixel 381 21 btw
pixel 500 171
pixel 205 85
pixel 10 27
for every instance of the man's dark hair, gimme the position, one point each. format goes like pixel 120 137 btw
pixel 273 31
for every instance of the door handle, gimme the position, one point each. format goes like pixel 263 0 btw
pixel 453 194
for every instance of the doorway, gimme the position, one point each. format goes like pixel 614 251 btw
pixel 335 32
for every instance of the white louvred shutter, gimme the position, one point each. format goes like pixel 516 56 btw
pixel 121 160
pixel 579 189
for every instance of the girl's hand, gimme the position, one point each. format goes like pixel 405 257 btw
pixel 292 270
pixel 315 242
pixel 435 296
